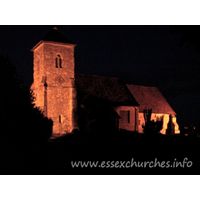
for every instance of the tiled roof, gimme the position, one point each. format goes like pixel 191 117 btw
pixel 104 89
pixel 150 98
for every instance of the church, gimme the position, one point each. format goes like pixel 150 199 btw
pixel 90 102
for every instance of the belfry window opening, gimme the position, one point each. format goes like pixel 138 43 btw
pixel 58 61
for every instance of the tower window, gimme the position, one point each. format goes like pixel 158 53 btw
pixel 58 61
pixel 59 118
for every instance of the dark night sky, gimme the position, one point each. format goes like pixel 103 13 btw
pixel 145 55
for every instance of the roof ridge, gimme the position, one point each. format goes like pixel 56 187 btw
pixel 97 75
pixel 142 86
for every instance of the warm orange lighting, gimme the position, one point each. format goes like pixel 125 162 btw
pixel 53 87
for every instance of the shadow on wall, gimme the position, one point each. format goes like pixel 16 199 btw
pixel 151 127
pixel 170 127
pixel 97 116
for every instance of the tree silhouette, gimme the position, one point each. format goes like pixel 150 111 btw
pixel 151 127
pixel 20 121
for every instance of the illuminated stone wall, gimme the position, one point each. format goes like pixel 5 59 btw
pixel 156 117
pixel 38 73
pixel 55 93
pixel 54 87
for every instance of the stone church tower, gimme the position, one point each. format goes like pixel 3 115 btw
pixel 53 81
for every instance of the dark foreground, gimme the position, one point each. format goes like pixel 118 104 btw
pixel 118 154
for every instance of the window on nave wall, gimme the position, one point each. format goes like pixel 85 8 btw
pixel 125 116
